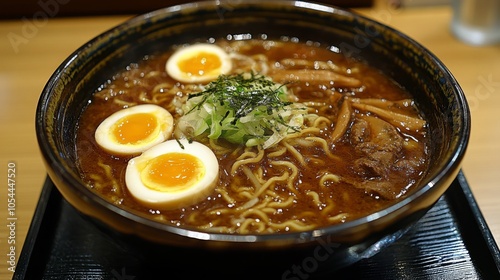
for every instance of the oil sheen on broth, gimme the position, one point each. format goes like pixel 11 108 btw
pixel 361 145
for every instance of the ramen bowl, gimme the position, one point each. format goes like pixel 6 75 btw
pixel 434 89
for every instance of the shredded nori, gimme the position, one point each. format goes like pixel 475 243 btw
pixel 245 94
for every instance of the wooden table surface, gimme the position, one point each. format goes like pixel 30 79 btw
pixel 32 48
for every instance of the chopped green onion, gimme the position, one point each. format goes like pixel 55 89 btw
pixel 245 109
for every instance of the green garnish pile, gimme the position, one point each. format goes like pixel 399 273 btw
pixel 246 109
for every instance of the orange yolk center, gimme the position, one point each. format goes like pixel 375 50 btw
pixel 172 171
pixel 134 128
pixel 200 64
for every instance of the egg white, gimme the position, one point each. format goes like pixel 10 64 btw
pixel 106 140
pixel 172 65
pixel 175 197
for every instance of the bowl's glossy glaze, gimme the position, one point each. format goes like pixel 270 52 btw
pixel 411 65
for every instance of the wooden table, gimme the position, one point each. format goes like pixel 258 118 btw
pixel 32 48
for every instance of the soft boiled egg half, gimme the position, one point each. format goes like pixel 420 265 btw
pixel 198 63
pixel 134 129
pixel 173 174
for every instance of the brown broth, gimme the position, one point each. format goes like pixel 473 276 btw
pixel 141 81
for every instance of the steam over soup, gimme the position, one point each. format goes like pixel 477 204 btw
pixel 294 135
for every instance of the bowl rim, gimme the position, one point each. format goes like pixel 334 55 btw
pixel 70 178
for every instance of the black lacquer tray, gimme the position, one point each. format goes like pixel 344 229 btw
pixel 452 241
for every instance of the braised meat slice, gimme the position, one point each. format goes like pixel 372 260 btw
pixel 379 145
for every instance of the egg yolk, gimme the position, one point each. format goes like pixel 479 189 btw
pixel 172 172
pixel 134 128
pixel 200 64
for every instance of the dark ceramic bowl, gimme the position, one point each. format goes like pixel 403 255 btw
pixel 435 90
